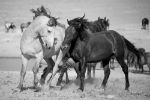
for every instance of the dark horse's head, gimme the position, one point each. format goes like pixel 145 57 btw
pixel 104 22
pixel 71 32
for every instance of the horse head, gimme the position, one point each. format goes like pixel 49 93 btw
pixel 76 22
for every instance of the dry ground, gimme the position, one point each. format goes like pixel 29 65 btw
pixel 139 87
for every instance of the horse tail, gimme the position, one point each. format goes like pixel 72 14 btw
pixel 132 48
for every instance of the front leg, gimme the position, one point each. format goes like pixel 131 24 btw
pixel 47 70
pixel 82 65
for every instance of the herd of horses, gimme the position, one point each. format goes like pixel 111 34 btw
pixel 85 42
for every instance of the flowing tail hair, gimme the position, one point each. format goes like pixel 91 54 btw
pixel 132 48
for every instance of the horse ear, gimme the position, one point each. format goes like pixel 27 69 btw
pixel 32 10
pixel 83 16
pixel 68 22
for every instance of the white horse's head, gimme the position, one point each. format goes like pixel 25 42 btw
pixel 47 36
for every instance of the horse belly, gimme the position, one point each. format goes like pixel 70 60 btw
pixel 100 51
pixel 100 55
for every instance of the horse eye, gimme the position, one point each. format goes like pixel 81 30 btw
pixel 49 31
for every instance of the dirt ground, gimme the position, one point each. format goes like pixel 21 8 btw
pixel 139 87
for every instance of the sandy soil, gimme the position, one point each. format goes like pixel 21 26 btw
pixel 139 87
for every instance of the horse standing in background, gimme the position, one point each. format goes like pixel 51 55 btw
pixel 145 23
pixel 23 26
pixel 9 25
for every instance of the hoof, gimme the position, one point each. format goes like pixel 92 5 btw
pixel 127 89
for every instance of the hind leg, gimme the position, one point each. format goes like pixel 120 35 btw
pixel 67 78
pixel 23 72
pixel 94 66
pixel 106 72
pixel 89 70
pixel 62 71
pixel 36 68
pixel 125 70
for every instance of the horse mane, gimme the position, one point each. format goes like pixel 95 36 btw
pixel 41 11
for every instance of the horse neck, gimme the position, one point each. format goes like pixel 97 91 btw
pixel 73 45
pixel 85 34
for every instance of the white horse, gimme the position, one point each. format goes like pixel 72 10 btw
pixel 33 42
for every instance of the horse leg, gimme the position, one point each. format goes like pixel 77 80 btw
pixel 94 70
pixel 62 71
pixel 76 68
pixel 89 71
pixel 141 68
pixel 55 68
pixel 125 70
pixel 36 69
pixel 82 64
pixel 106 73
pixel 47 70
pixel 67 78
pixel 148 65
pixel 23 71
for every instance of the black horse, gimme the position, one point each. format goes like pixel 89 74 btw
pixel 145 23
pixel 87 47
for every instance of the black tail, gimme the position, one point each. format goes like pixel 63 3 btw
pixel 132 48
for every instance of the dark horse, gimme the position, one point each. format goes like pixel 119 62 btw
pixel 145 23
pixel 87 47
